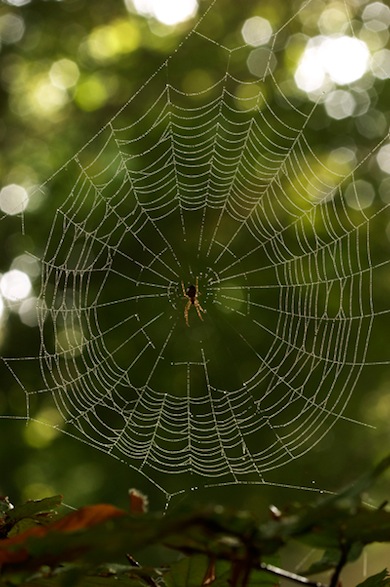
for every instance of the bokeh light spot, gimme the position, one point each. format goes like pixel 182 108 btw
pixel 380 64
pixel 342 59
pixel 197 81
pixel 360 194
pixel 383 158
pixel 13 199
pixel 372 124
pixel 48 98
pixel 41 432
pixel 27 264
pixel 169 12
pixel 37 491
pixel 341 160
pixel 345 59
pixel 384 190
pixel 64 74
pixel 247 96
pixel 332 19
pixel 11 28
pixel 377 11
pixel 256 31
pixel 70 342
pixel 339 104
pixel 18 2
pixel 15 285
pixel 28 312
pixel 118 38
pixel 310 75
pixel 92 93
pixel 261 62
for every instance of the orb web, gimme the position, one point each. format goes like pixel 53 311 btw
pixel 221 188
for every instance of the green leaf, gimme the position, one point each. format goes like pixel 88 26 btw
pixel 337 519
pixel 337 524
pixel 381 579
pixel 262 578
pixel 189 571
pixel 72 575
pixel 331 558
pixel 36 509
pixel 5 508
pixel 192 572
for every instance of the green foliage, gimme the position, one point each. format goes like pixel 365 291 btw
pixel 381 579
pixel 39 135
pixel 216 546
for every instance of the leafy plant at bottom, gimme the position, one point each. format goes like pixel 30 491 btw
pixel 218 546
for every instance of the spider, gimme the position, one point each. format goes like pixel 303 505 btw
pixel 192 293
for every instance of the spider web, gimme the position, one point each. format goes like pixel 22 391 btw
pixel 224 186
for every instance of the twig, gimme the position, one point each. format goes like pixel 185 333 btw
pixel 345 548
pixel 149 580
pixel 289 576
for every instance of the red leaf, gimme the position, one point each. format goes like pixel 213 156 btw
pixel 78 520
pixel 138 502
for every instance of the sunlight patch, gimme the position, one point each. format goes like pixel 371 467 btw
pixel 13 199
pixel 340 104
pixel 169 12
pixel 15 285
pixel 383 158
pixel 64 74
pixel 360 194
pixel 341 59
pixel 256 31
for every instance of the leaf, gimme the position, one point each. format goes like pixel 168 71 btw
pixel 5 508
pixel 36 509
pixel 87 516
pixel 334 526
pixel 335 519
pixel 20 518
pixel 381 579
pixel 331 558
pixel 191 572
pixel 78 576
pixel 19 548
pixel 261 578
pixel 104 533
pixel 139 502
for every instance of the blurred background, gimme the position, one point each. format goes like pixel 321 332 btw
pixel 67 67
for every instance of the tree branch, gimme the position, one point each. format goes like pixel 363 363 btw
pixel 289 576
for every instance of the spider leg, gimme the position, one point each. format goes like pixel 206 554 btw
pixel 184 289
pixel 198 309
pixel 186 310
pixel 197 288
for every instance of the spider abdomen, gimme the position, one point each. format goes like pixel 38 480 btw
pixel 191 292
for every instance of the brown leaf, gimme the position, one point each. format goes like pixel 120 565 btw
pixel 138 502
pixel 78 520
pixel 86 517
